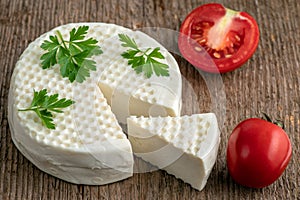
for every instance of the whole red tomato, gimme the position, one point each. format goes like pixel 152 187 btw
pixel 258 152
pixel 229 37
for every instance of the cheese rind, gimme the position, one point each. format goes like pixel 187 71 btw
pixel 183 146
pixel 88 145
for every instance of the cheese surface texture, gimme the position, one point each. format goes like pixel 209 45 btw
pixel 88 145
pixel 185 147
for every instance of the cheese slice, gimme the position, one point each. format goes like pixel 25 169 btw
pixel 184 146
pixel 88 145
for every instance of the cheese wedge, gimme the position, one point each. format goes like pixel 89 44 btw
pixel 88 145
pixel 185 147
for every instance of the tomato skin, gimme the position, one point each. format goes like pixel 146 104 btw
pixel 258 152
pixel 240 23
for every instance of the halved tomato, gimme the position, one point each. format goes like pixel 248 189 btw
pixel 229 37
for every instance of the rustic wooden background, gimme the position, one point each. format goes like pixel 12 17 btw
pixel 268 82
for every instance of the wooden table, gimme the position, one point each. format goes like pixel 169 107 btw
pixel 268 82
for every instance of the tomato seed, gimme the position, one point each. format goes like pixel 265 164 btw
pixel 202 41
pixel 198 28
pixel 217 55
pixel 237 37
pixel 198 49
pixel 205 24
pixel 196 36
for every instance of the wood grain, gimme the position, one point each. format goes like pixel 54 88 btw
pixel 268 82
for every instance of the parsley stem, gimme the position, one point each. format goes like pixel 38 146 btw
pixel 145 52
pixel 27 109
pixel 30 109
pixel 63 42
pixel 61 39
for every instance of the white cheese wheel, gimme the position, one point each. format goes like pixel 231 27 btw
pixel 184 146
pixel 88 145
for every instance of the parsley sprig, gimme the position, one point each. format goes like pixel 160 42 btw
pixel 43 104
pixel 143 61
pixel 72 55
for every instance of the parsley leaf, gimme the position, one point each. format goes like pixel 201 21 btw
pixel 43 104
pixel 142 61
pixel 73 55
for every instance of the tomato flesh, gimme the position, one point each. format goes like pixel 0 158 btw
pixel 229 37
pixel 216 38
pixel 257 153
